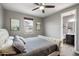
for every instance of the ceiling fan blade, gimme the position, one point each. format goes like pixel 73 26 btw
pixel 39 4
pixel 36 3
pixel 43 11
pixel 35 8
pixel 49 6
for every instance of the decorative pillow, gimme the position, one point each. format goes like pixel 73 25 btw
pixel 19 45
pixel 8 43
pixel 11 37
pixel 21 38
pixel 7 46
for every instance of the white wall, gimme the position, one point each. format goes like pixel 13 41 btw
pixel 1 16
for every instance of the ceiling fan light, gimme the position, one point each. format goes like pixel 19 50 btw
pixel 41 8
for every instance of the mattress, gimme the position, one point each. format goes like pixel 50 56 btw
pixel 38 47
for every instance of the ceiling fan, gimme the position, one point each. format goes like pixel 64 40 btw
pixel 42 7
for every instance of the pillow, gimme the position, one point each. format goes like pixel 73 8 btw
pixel 18 45
pixel 8 43
pixel 11 37
pixel 43 37
pixel 7 47
pixel 21 38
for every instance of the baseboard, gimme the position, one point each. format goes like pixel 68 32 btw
pixel 76 51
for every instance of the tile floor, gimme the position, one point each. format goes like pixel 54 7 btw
pixel 67 50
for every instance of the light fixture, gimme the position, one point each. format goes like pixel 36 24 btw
pixel 41 8
pixel 71 20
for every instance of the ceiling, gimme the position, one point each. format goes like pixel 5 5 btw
pixel 26 8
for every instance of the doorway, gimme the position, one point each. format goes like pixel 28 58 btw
pixel 68 32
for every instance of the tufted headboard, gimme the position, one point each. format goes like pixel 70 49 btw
pixel 4 35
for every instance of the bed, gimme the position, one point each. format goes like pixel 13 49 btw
pixel 36 46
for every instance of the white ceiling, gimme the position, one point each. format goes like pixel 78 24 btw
pixel 27 8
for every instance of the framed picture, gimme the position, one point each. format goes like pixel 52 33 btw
pixel 14 24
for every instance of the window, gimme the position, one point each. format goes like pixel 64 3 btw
pixel 28 25
pixel 14 24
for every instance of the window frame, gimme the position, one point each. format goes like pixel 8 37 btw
pixel 25 18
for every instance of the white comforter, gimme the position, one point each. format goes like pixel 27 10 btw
pixel 36 43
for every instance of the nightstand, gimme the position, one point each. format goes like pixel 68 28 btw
pixel 7 53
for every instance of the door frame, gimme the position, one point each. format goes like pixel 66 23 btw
pixel 71 12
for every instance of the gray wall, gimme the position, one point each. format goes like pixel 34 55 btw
pixel 15 15
pixel 1 16
pixel 52 25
